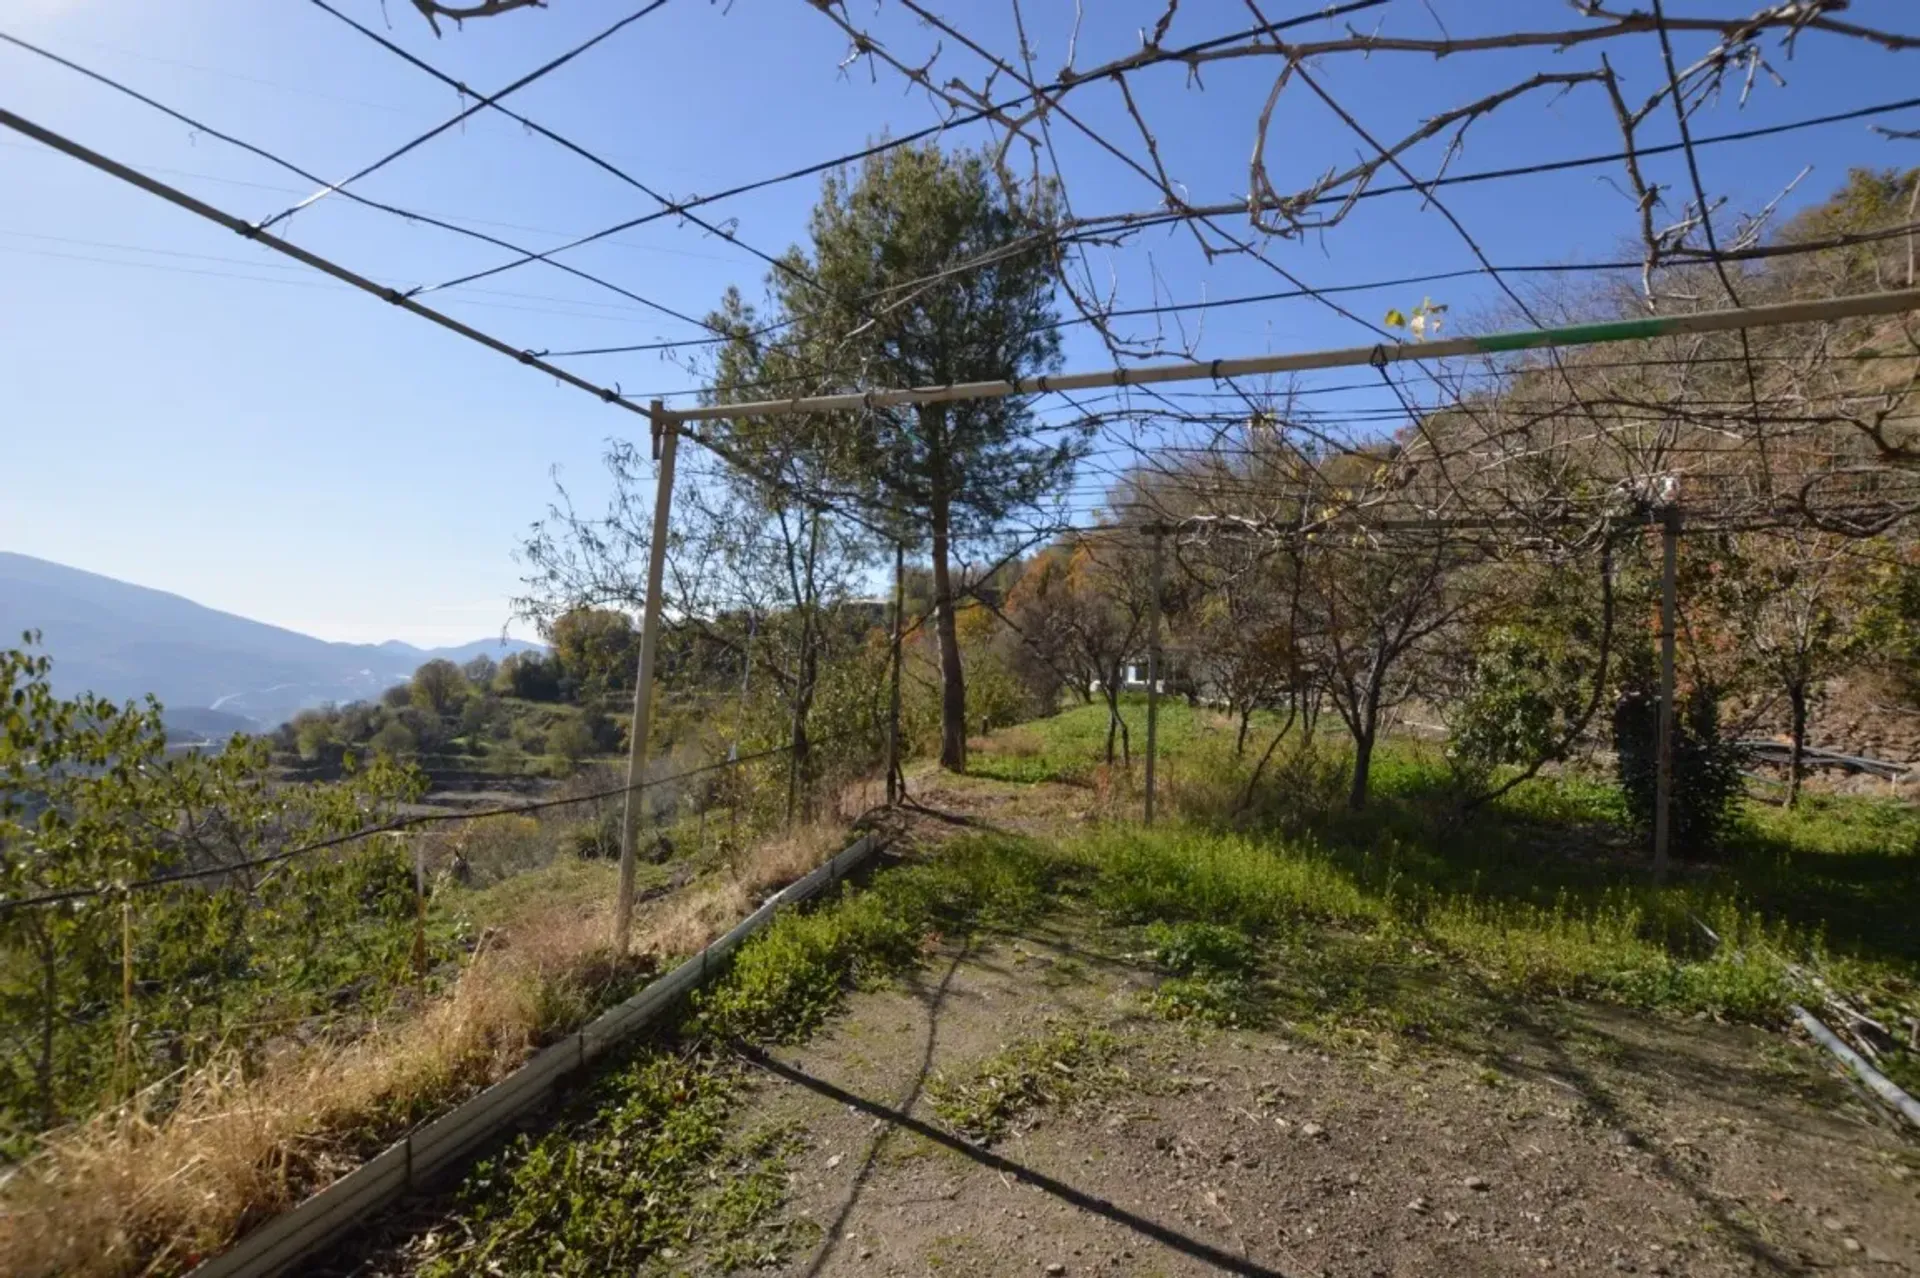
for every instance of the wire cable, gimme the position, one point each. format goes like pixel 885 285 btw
pixel 481 104
pixel 395 826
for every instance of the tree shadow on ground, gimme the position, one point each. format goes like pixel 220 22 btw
pixel 898 1118
pixel 933 998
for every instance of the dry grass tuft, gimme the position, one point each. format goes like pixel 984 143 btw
pixel 691 919
pixel 1018 742
pixel 129 1192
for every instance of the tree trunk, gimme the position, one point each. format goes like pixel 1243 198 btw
pixel 1365 727
pixel 1797 704
pixel 1240 742
pixel 1116 726
pixel 799 770
pixel 799 765
pixel 1362 766
pixel 1253 780
pixel 953 684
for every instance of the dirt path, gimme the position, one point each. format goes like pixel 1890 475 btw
pixel 1570 1140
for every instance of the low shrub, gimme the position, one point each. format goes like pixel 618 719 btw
pixel 1201 949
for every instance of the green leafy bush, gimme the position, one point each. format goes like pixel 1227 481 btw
pixel 1524 688
pixel 1706 768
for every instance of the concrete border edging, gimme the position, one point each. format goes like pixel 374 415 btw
pixel 417 1158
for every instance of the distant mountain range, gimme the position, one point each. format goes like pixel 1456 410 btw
pixel 214 672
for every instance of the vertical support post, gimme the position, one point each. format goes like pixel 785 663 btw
pixel 666 438
pixel 1663 777
pixel 1153 670
pixel 896 780
pixel 419 911
pixel 127 1071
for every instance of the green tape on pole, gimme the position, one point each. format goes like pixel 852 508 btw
pixel 1576 335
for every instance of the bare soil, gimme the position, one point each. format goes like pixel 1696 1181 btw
pixel 1562 1138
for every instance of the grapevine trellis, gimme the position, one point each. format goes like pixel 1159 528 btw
pixel 1798 445
pixel 1715 379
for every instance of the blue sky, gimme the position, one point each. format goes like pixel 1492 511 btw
pixel 183 409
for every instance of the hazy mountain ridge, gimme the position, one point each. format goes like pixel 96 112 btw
pixel 122 640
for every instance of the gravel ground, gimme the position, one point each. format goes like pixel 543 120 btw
pixel 1565 1138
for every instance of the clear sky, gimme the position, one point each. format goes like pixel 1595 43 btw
pixel 184 409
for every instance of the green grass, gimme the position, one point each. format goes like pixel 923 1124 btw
pixel 1541 893
pixel 566 880
pixel 1071 745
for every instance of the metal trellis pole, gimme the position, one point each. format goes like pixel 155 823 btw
pixel 1663 777
pixel 666 435
pixel 896 781
pixel 1153 670
pixel 1797 312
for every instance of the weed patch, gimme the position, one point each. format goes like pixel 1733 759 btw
pixel 1220 1001
pixel 1213 970
pixel 644 1165
pixel 786 982
pixel 1067 1063
pixel 1201 949
pixel 1188 875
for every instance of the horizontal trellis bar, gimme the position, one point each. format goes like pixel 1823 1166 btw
pixel 1380 354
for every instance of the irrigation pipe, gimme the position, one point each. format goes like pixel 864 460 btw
pixel 1882 1086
